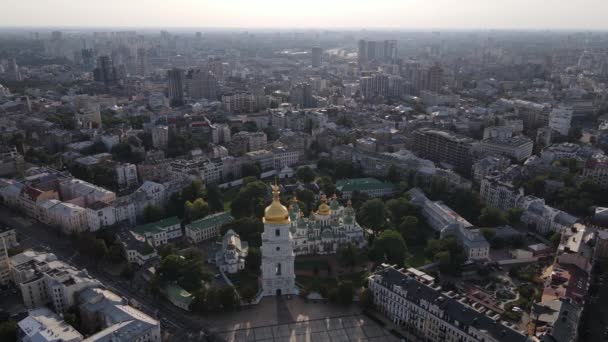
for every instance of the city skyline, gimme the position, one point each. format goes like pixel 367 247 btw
pixel 382 14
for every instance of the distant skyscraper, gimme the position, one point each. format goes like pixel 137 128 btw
pixel 379 51
pixel 142 62
pixel 175 86
pixel 105 71
pixel 376 85
pixel 301 95
pixel 202 84
pixel 362 52
pixel 317 57
pixel 13 70
pixel 88 58
pixel 435 78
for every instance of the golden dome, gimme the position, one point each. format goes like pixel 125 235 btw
pixel 276 212
pixel 324 209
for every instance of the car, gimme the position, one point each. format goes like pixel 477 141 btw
pixel 217 275
pixel 517 309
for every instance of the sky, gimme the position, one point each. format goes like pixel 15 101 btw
pixel 355 14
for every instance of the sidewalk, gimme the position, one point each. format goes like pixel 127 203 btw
pixel 396 330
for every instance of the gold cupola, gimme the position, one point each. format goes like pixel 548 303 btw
pixel 276 212
pixel 324 209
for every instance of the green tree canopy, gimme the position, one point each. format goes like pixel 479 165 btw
pixel 399 208
pixel 389 247
pixel 305 174
pixel 372 214
pixel 153 213
pixel 492 217
pixel 250 200
pixel 253 260
pixel 197 209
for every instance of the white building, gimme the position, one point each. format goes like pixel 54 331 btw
pixel 160 137
pixel 100 214
pixel 112 319
pixel 446 221
pixel 412 300
pixel 560 119
pixel 518 148
pixel 70 217
pixel 278 276
pixel 135 248
pixel 126 175
pixel 161 232
pixel 208 227
pixel 499 193
pixel 231 258
pixel 43 279
pixel 543 218
pixel 43 325
pixel 8 240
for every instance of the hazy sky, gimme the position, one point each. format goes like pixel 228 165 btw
pixel 465 14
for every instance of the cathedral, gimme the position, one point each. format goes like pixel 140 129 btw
pixel 288 233
pixel 325 231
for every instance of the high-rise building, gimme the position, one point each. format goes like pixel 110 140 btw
pixel 317 57
pixel 105 71
pixel 278 276
pixel 8 240
pixel 142 62
pixel 362 52
pixel 301 95
pixel 560 119
pixel 12 71
pixel 202 84
pixel 175 86
pixel 375 85
pixel 435 78
pixel 379 51
pixel 444 147
pixel 88 58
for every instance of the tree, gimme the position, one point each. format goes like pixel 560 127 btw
pixel 345 292
pixel 372 214
pixel 228 298
pixel 555 239
pixel 152 213
pixel 253 260
pixel 492 217
pixel 349 256
pixel 193 191
pixel 389 247
pixel 99 249
pixel 248 293
pixel 272 133
pixel 192 273
pixel 249 229
pixel 307 197
pixel 488 233
pixel 305 174
pixel 399 208
pixel 448 253
pixel 394 175
pixel 196 210
pixel 326 185
pixel 514 216
pixel 170 268
pixel 214 198
pixel 411 231
pixel 212 300
pixel 250 200
pixel 8 331
pixel 366 299
pixel 115 254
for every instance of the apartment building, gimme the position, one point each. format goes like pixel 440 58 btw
pixel 443 147
pixel 414 301
pixel 207 227
pixel 8 240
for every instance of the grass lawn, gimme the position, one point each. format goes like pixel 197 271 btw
pixel 416 257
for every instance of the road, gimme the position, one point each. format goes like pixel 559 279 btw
pixel 33 234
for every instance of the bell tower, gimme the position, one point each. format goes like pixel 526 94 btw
pixel 278 276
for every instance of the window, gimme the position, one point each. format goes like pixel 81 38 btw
pixel 277 232
pixel 278 269
pixel 278 248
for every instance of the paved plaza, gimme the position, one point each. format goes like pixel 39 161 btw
pixel 335 329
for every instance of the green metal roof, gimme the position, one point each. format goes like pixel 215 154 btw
pixel 361 184
pixel 158 226
pixel 178 294
pixel 211 221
